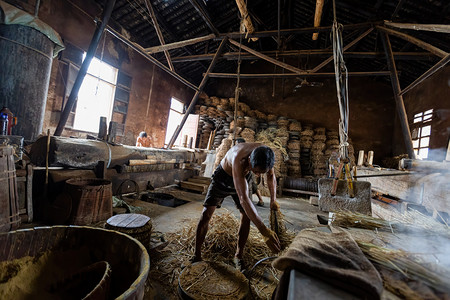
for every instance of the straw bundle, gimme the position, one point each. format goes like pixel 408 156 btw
pixel 268 137
pixel 321 138
pixel 215 101
pixel 248 135
pixel 220 246
pixel 283 140
pixel 307 132
pixel 221 107
pixel 320 131
pixel 244 107
pixel 409 221
pixel 278 225
pixel 318 146
pixel 282 132
pixel 240 114
pixel 295 126
pixel 260 115
pixel 407 265
pixel 232 101
pixel 224 101
pixel 294 145
pixel 283 123
pixel 271 118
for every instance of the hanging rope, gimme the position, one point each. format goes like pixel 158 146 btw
pixel 341 75
pixel 238 89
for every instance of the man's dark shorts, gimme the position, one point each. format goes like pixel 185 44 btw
pixel 222 185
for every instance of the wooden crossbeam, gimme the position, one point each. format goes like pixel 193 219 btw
pixel 424 27
pixel 294 75
pixel 180 44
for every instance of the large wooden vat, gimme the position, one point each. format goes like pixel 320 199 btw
pixel 79 247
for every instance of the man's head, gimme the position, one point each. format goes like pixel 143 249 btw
pixel 262 159
pixel 143 134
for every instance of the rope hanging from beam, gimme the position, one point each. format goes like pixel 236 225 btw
pixel 341 75
pixel 238 88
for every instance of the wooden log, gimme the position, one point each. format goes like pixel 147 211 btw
pixel 83 153
pixel 435 50
pixel 317 17
pixel 159 33
pixel 177 45
pixel 200 181
pixel 440 64
pixel 267 58
pixel 293 75
pixel 425 27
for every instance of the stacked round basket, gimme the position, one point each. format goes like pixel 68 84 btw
pixel 294 167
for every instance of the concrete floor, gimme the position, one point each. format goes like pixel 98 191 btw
pixel 299 214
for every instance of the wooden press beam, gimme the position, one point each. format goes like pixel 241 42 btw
pixel 197 93
pixel 106 14
pixel 138 48
pixel 159 33
pixel 295 75
pixel 436 51
pixel 205 16
pixel 267 58
pixel 180 44
pixel 424 27
pixel 427 74
pixel 296 53
pixel 317 17
pixel 398 98
pixel 270 33
pixel 325 62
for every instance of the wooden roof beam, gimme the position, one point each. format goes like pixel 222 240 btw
pixel 158 32
pixel 426 46
pixel 425 27
pixel 205 16
pixel 294 75
pixel 180 44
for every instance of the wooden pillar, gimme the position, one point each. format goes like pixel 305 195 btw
pixel 198 92
pixel 398 98
pixel 85 65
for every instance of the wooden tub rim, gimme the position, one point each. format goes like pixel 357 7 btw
pixel 143 272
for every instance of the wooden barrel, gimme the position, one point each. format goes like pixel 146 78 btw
pixel 9 205
pixel 91 200
pixel 135 225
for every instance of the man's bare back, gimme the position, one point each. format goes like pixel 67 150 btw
pixel 238 154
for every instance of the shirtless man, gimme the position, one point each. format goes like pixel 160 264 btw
pixel 231 179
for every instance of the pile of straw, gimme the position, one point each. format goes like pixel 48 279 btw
pixel 409 221
pixel 220 246
pixel 406 264
pixel 248 135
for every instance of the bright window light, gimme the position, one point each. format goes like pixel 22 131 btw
pixel 421 143
pixel 175 117
pixel 96 96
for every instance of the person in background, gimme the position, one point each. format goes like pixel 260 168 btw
pixel 142 140
pixel 252 182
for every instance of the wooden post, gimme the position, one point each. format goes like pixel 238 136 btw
pixel 317 17
pixel 84 66
pixel 198 92
pixel 398 98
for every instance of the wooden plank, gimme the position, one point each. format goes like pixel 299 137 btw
pixel 194 186
pixel 199 181
pixel 300 192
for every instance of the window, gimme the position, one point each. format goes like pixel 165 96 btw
pixel 175 117
pixel 421 132
pixel 96 96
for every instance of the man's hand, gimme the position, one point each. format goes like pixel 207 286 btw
pixel 274 205
pixel 271 240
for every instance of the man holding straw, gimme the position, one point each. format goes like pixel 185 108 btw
pixel 231 178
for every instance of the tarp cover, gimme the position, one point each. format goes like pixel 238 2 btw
pixel 10 15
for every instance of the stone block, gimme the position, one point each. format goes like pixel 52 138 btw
pixel 361 203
